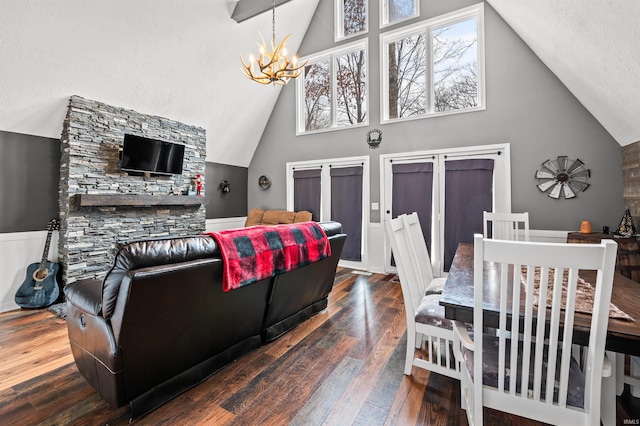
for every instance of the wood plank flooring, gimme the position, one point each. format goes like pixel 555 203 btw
pixel 342 367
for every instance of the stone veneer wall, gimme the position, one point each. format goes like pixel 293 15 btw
pixel 631 179
pixel 92 136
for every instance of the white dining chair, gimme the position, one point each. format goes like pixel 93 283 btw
pixel 413 230
pixel 533 374
pixel 506 226
pixel 426 323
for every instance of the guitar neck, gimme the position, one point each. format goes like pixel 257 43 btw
pixel 45 253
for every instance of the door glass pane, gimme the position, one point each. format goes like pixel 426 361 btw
pixel 468 191
pixel 317 96
pixel 455 66
pixel 306 191
pixel 412 188
pixel 407 77
pixel 346 208
pixel 351 88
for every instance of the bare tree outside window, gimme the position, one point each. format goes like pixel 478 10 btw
pixel 426 76
pixel 317 96
pixel 351 88
pixel 355 17
pixel 333 91
pixel 407 77
pixel 401 9
pixel 455 68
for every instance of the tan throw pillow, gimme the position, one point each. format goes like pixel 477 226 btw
pixel 254 217
pixel 276 217
pixel 303 216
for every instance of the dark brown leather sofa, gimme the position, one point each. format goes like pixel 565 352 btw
pixel 159 323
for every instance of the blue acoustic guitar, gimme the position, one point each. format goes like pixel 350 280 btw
pixel 40 288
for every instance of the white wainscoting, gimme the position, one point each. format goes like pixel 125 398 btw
pixel 216 225
pixel 376 248
pixel 546 236
pixel 18 250
pixel 376 244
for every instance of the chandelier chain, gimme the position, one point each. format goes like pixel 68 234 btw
pixel 273 23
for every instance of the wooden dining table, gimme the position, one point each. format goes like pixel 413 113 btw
pixel 623 335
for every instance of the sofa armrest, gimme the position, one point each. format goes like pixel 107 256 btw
pixel 85 295
pixel 331 228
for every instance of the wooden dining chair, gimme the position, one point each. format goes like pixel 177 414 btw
pixel 506 226
pixel 426 323
pixel 413 230
pixel 533 373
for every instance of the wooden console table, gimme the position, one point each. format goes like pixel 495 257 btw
pixel 628 261
pixel 97 200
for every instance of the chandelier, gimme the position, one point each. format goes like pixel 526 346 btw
pixel 272 66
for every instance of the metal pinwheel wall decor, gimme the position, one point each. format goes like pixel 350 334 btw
pixel 563 177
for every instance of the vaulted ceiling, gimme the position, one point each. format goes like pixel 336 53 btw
pixel 593 47
pixel 180 59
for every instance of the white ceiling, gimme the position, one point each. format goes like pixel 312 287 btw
pixel 593 47
pixel 180 59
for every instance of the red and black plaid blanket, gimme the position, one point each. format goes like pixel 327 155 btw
pixel 258 252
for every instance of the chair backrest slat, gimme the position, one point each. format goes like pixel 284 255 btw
pixel 503 326
pixel 515 328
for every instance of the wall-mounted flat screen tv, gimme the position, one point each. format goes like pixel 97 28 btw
pixel 140 154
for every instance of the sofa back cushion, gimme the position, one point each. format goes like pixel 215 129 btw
pixel 276 217
pixel 145 253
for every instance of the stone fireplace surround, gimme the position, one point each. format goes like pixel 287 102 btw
pixel 91 232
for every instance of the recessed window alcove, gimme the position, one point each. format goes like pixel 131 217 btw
pixel 102 207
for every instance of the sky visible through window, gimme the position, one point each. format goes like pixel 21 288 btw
pixel 401 9
pixel 455 71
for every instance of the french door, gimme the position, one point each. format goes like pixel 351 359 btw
pixel 335 189
pixel 448 189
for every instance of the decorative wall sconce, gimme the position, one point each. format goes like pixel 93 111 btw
pixel 264 182
pixel 224 185
pixel 374 137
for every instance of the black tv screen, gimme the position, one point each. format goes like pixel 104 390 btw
pixel 140 154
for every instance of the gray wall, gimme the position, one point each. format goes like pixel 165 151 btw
pixel 29 176
pixel 527 106
pixel 226 204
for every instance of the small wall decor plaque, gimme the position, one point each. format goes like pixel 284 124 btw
pixel 374 138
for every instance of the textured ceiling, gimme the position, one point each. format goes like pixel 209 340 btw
pixel 593 46
pixel 181 60
pixel 178 59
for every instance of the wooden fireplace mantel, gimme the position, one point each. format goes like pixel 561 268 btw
pixel 98 200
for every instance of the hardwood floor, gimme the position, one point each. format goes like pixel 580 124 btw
pixel 342 367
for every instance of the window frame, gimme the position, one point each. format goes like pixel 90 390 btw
pixel 384 13
pixel 338 14
pixel 331 55
pixel 426 27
